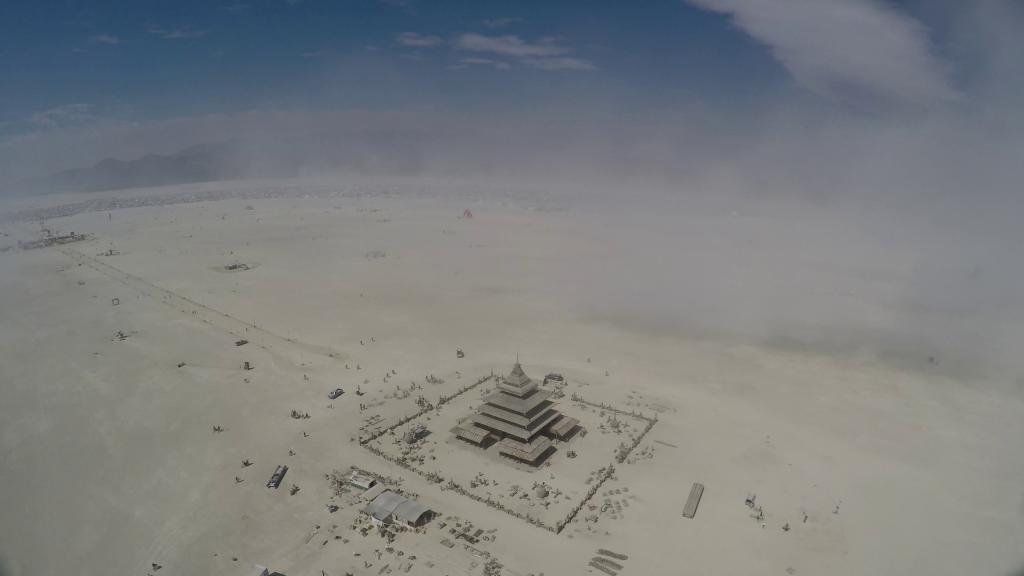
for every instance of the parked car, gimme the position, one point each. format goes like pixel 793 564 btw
pixel 335 393
pixel 277 477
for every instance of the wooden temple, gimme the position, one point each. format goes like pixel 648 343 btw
pixel 521 417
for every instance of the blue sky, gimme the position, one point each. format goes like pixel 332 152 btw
pixel 82 81
pixel 142 59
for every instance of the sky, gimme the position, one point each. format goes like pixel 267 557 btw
pixel 82 81
pixel 71 61
pixel 865 154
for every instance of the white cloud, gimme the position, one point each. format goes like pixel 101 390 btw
pixel 61 116
pixel 507 46
pixel 416 40
pixel 502 22
pixel 559 63
pixel 105 39
pixel 185 33
pixel 485 62
pixel 844 47
pixel 545 54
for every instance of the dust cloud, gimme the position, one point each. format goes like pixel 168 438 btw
pixel 849 227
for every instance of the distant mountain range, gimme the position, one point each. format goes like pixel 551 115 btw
pixel 201 163
pixel 237 159
pixel 491 151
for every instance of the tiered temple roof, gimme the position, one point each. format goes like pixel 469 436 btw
pixel 517 382
pixel 517 418
pixel 524 433
pixel 518 413
pixel 516 404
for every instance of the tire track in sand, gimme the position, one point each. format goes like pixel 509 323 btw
pixel 268 340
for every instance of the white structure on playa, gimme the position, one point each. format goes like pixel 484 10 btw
pixel 361 481
pixel 522 416
pixel 391 507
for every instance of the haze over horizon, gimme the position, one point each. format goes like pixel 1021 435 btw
pixel 471 88
pixel 898 123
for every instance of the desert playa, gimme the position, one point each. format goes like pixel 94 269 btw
pixel 157 372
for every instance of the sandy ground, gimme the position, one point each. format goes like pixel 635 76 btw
pixel 109 462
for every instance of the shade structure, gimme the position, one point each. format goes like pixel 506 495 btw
pixel 564 427
pixel 471 433
pixel 411 512
pixel 529 452
pixel 383 506
pixel 391 506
